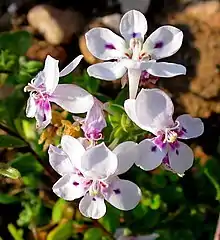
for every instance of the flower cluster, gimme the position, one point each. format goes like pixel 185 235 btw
pixel 89 169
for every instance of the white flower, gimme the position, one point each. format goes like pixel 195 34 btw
pixel 92 174
pixel 44 89
pixel 152 111
pixel 133 55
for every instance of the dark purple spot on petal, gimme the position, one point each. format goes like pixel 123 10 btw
pixel 117 191
pixel 93 199
pixel 177 152
pixel 184 130
pixel 134 35
pixel 158 44
pixel 75 183
pixel 154 149
pixel 110 46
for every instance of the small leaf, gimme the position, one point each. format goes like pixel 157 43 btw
pixel 17 234
pixel 62 232
pixel 93 234
pixel 58 208
pixel 7 199
pixel 11 141
pixel 8 171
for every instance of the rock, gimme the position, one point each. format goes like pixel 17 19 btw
pixel 57 26
pixel 39 51
pixel 206 11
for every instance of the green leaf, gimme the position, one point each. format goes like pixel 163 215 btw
pixel 121 97
pixel 111 220
pixel 62 232
pixel 26 163
pixel 11 141
pixel 16 42
pixel 7 199
pixel 33 66
pixel 93 234
pixel 17 234
pixel 58 208
pixel 8 171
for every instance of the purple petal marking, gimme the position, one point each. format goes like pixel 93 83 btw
pixel 166 160
pixel 154 149
pixel 117 191
pixel 184 130
pixel 158 44
pixel 93 199
pixel 134 35
pixel 75 183
pixel 174 145
pixel 110 46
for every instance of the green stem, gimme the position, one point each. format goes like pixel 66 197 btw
pixel 214 182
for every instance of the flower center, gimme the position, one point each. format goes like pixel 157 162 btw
pixel 97 188
pixel 171 134
pixel 136 51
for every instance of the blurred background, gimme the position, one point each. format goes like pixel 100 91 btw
pixel 177 208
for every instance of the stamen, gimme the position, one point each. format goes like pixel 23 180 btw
pixel 170 134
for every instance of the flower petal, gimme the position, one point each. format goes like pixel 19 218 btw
pixel 31 107
pixel 127 154
pixel 72 98
pixel 43 114
pixel 69 187
pixel 104 44
pixel 99 162
pixel 133 25
pixel 163 42
pixel 129 106
pixel 71 66
pixel 191 127
pixel 74 149
pixel 125 195
pixel 107 70
pixel 51 73
pixel 181 158
pixel 94 122
pixel 59 160
pixel 164 69
pixel 133 81
pixel 154 109
pixel 92 207
pixel 150 156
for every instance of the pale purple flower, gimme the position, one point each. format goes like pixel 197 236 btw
pixel 92 174
pixel 94 122
pixel 44 88
pixel 152 111
pixel 133 55
pixel 119 235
